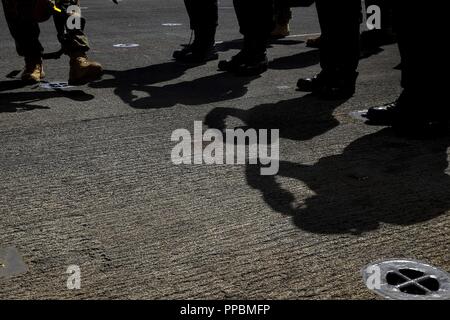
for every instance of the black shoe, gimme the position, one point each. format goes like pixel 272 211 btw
pixel 196 54
pixel 183 52
pixel 246 65
pixel 234 63
pixel 338 87
pixel 253 67
pixel 330 92
pixel 385 115
pixel 402 115
pixel 313 84
pixel 331 87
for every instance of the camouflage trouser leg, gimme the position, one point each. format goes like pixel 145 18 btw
pixel 23 28
pixel 72 40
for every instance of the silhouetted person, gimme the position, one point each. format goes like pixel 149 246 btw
pixel 339 50
pixel 139 87
pixel 256 22
pixel 203 15
pixel 23 17
pixel 422 99
pixel 379 178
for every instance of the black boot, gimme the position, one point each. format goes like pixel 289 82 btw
pixel 201 50
pixel 314 84
pixel 340 86
pixel 250 61
pixel 407 112
pixel 385 115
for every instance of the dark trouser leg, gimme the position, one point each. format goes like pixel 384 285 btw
pixel 339 23
pixel 72 40
pixel 203 16
pixel 255 19
pixel 423 88
pixel 23 29
pixel 339 50
pixel 422 99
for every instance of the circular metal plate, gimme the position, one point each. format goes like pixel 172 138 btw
pixel 401 279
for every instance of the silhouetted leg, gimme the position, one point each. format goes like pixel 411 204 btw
pixel 203 17
pixel 421 64
pixel 422 100
pixel 339 23
pixel 339 49
pixel 255 19
pixel 255 22
pixel 23 29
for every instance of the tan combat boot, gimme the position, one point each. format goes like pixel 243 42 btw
pixel 33 71
pixel 82 70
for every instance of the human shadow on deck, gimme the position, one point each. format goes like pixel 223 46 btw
pixel 26 101
pixel 297 119
pixel 137 87
pixel 379 178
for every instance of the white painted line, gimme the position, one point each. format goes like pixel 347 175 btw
pixel 304 35
pixel 172 24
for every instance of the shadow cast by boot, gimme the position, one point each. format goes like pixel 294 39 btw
pixel 296 61
pixel 237 44
pixel 26 101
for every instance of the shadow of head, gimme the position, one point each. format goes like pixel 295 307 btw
pixel 297 119
pixel 379 178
